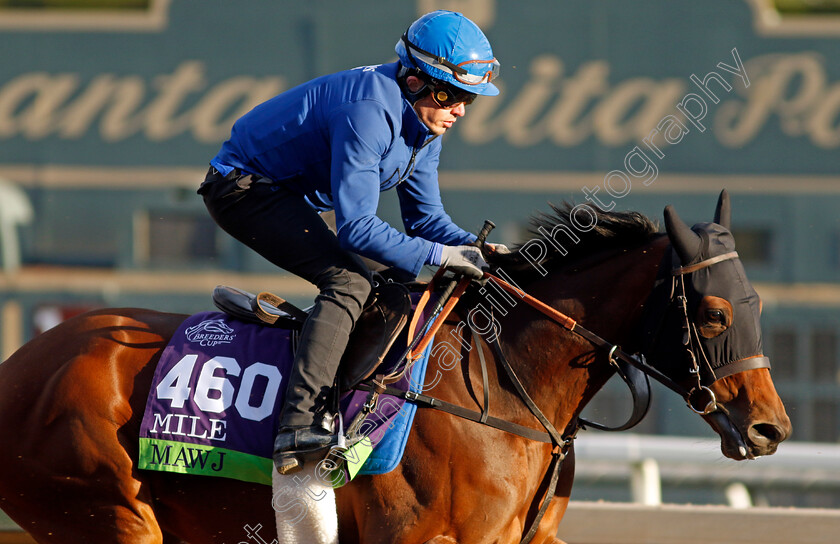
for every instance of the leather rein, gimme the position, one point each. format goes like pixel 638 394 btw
pixel 638 361
pixel 626 365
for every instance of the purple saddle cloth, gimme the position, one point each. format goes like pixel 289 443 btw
pixel 217 391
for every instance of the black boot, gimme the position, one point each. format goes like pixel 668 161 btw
pixel 293 445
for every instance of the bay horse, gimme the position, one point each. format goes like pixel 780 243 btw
pixel 72 398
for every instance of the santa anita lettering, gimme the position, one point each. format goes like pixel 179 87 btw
pixel 558 104
pixel 37 105
pixel 639 163
pixel 567 109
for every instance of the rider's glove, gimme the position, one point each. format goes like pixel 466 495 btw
pixel 466 260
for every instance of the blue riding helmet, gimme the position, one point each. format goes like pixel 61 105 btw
pixel 449 47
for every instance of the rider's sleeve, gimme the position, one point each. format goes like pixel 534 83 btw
pixel 421 206
pixel 360 134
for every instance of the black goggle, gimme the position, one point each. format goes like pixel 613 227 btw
pixel 447 96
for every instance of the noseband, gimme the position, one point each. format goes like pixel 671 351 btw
pixel 694 348
pixel 694 396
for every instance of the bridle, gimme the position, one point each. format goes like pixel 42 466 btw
pixel 694 351
pixel 693 348
pixel 633 369
pixel 616 356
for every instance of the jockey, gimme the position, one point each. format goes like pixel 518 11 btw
pixel 334 143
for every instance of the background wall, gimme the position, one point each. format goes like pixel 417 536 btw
pixel 109 116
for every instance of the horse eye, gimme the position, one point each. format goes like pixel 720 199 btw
pixel 715 316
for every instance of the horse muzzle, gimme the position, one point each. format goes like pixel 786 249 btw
pixel 748 437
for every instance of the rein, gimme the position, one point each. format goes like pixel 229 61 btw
pixel 615 352
pixel 638 361
pixel 633 369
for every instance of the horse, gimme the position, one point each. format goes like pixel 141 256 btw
pixel 71 399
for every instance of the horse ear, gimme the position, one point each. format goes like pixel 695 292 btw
pixel 723 212
pixel 685 241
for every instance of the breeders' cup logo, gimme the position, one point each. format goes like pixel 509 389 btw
pixel 211 332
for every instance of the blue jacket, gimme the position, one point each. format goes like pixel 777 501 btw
pixel 341 139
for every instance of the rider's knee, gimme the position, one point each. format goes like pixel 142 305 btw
pixel 359 286
pixel 351 287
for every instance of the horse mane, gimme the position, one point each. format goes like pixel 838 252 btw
pixel 565 242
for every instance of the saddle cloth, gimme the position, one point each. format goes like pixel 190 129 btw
pixel 217 390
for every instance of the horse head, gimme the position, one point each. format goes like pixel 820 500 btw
pixel 707 338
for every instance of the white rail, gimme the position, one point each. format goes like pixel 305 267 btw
pixel 15 209
pixel 645 462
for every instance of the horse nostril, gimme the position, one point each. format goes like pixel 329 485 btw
pixel 765 434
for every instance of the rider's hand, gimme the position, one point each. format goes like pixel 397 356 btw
pixel 466 260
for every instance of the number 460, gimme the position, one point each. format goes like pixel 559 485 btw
pixel 175 386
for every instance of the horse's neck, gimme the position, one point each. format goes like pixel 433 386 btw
pixel 560 370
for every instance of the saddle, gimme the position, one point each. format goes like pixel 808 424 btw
pixel 384 315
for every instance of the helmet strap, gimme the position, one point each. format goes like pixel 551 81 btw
pixel 402 75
